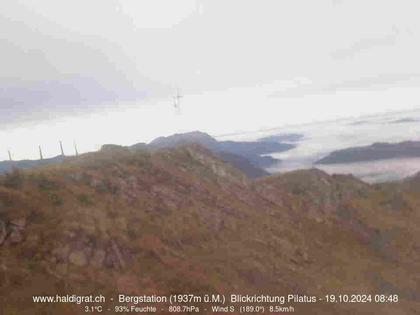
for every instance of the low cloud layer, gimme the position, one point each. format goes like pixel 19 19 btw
pixel 319 59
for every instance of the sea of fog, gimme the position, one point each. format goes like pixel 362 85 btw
pixel 319 139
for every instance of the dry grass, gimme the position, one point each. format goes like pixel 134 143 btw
pixel 181 221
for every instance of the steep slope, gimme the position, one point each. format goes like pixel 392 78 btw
pixel 242 164
pixel 181 221
pixel 383 218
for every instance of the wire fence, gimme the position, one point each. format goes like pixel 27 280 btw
pixel 41 155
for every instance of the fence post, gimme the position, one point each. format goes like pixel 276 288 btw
pixel 75 149
pixel 61 147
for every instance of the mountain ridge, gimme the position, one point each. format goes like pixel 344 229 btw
pixel 178 220
pixel 373 152
pixel 247 156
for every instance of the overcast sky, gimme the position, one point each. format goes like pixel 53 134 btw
pixel 105 71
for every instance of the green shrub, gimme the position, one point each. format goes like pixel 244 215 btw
pixel 84 199
pixel 13 179
pixel 42 182
pixel 55 199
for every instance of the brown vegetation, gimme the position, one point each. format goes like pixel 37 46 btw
pixel 181 221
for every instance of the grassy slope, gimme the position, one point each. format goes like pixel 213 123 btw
pixel 180 220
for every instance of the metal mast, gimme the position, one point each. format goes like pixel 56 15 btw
pixel 40 153
pixel 75 148
pixel 177 101
pixel 61 147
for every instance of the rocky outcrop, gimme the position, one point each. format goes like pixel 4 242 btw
pixel 3 232
pixel 96 254
pixel 12 232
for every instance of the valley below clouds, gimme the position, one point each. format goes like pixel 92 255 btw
pixel 320 139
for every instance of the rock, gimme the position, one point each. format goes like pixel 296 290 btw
pixel 95 183
pixel 114 257
pixel 302 256
pixel 16 228
pixel 305 257
pixel 78 258
pixel 19 223
pixel 61 269
pixel 98 184
pixel 118 254
pixel 293 260
pixel 15 236
pixel 98 258
pixel 3 232
pixel 77 177
pixel 61 254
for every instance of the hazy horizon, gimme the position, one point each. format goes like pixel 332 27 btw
pixel 241 66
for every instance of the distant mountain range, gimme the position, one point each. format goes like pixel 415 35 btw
pixel 6 166
pixel 249 149
pixel 376 151
pixel 288 137
pixel 253 151
pixel 246 156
